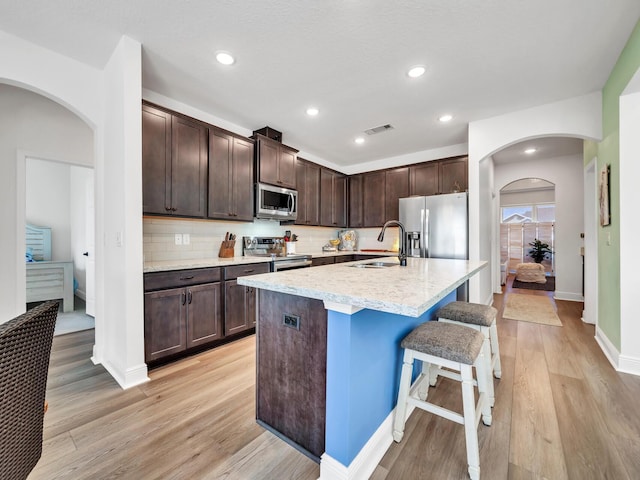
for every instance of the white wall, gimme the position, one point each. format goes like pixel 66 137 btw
pixel 487 221
pixel 579 117
pixel 566 174
pixel 33 125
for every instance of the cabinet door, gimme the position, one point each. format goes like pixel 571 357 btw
pixel 287 167
pixel 313 194
pixel 220 175
pixel 318 261
pixel 423 179
pixel 339 200
pixel 239 307
pixel 301 182
pixel 156 160
pixel 356 217
pixel 326 197
pixel 268 163
pixel 164 323
pixel 242 195
pixel 188 167
pixel 373 199
pixel 204 314
pixel 453 175
pixel 396 187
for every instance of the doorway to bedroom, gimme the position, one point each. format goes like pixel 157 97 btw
pixel 60 219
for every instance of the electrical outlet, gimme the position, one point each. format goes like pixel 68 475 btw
pixel 178 238
pixel 186 239
pixel 291 321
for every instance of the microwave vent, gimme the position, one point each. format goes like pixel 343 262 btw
pixel 380 129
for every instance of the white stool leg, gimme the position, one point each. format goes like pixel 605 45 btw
pixel 470 428
pixel 403 393
pixel 483 375
pixel 423 391
pixel 486 351
pixel 495 350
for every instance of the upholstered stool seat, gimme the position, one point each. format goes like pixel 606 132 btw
pixel 458 348
pixel 530 272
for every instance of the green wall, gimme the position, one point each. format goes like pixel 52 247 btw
pixel 608 152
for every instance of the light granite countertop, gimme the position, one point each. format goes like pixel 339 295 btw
pixel 409 290
pixel 168 265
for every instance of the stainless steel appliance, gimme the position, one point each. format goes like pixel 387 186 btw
pixel 274 248
pixel 276 203
pixel 437 227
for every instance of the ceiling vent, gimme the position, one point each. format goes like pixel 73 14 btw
pixel 380 129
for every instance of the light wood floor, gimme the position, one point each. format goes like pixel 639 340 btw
pixel 561 412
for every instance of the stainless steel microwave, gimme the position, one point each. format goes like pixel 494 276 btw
pixel 276 203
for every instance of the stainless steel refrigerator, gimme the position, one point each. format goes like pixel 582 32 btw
pixel 437 227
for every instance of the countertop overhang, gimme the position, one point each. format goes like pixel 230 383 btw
pixel 409 290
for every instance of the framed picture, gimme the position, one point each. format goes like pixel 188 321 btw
pixel 605 214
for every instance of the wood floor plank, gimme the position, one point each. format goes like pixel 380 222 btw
pixel 588 453
pixel 535 442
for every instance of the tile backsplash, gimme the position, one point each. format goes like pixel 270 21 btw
pixel 205 237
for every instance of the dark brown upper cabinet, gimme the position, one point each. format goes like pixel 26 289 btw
pixel 308 186
pixel 174 164
pixel 356 213
pixel 423 179
pixel 275 162
pixel 333 198
pixel 396 187
pixel 453 175
pixel 230 176
pixel 373 198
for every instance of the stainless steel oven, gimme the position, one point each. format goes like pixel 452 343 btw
pixel 274 248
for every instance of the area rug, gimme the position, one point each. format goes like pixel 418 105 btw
pixel 531 308
pixel 549 286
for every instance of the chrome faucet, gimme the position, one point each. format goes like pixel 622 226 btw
pixel 402 254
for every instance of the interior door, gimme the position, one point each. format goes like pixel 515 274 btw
pixel 90 267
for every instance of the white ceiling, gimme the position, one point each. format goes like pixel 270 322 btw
pixel 348 58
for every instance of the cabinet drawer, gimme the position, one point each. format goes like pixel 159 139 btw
pixel 236 271
pixel 180 278
pixel 318 261
pixel 345 258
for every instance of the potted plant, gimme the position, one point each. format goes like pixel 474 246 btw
pixel 539 251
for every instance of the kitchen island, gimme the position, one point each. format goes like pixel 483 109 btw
pixel 328 352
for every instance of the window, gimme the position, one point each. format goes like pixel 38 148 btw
pixel 543 212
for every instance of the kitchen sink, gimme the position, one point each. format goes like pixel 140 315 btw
pixel 375 265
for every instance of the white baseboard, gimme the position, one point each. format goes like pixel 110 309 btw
pixel 367 459
pixel 571 297
pixel 130 378
pixel 81 294
pixel 609 350
pixel 627 364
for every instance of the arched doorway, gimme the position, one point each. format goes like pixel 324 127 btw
pixel 527 214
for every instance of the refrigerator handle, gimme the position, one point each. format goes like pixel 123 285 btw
pixel 424 221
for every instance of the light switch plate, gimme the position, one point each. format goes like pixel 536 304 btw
pixel 186 239
pixel 178 238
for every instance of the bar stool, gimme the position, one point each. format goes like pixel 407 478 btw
pixel 458 348
pixel 482 318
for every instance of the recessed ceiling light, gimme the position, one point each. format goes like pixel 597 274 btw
pixel 359 140
pixel 416 71
pixel 312 111
pixel 445 118
pixel 225 58
pixel 529 151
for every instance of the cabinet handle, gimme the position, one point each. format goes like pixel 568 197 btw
pixel 168 209
pixel 173 209
pixel 249 271
pixel 184 298
pixel 190 297
pixel 190 277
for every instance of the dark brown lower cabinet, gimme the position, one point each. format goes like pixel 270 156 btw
pixel 292 363
pixel 180 313
pixel 240 301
